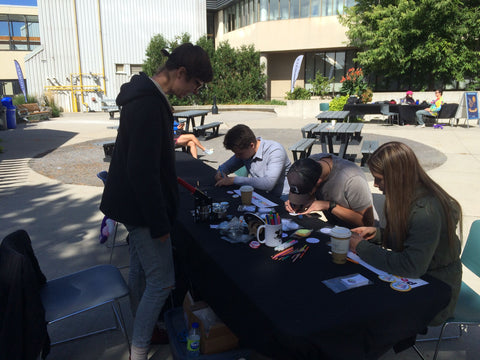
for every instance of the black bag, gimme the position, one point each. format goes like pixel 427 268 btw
pixel 353 100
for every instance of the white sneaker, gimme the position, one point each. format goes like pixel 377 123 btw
pixel 420 126
pixel 208 151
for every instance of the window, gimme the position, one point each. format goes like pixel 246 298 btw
pixel 19 32
pixel 333 64
pixel 263 10
pixel 246 12
pixel 135 69
pixel 295 9
pixel 305 8
pixel 284 9
pixel 120 68
pixel 274 15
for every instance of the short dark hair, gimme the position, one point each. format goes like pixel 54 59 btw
pixel 440 91
pixel 239 137
pixel 303 175
pixel 193 58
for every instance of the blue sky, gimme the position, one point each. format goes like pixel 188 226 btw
pixel 19 2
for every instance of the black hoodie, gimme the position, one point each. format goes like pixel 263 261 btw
pixel 141 187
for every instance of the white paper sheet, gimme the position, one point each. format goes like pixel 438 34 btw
pixel 412 282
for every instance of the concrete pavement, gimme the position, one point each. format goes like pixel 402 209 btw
pixel 63 219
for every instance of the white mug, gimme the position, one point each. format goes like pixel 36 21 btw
pixel 273 235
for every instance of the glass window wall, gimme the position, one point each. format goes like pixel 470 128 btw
pixel 19 32
pixel 246 12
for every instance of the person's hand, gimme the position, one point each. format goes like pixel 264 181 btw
pixel 366 232
pixel 225 181
pixel 181 125
pixel 317 205
pixel 218 176
pixel 288 207
pixel 354 240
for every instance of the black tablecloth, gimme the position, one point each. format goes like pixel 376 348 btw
pixel 362 109
pixel 406 113
pixel 282 309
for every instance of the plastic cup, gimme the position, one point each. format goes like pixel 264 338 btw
pixel 246 192
pixel 340 239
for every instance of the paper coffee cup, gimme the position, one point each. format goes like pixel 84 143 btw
pixel 340 239
pixel 246 193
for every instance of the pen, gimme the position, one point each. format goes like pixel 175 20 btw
pixel 352 261
pixel 304 251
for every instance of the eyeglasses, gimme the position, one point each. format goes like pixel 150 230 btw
pixel 199 85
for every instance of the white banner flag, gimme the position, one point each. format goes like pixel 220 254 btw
pixel 296 69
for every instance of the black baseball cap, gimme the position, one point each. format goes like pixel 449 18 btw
pixel 302 178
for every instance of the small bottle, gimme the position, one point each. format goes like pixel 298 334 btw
pixel 193 341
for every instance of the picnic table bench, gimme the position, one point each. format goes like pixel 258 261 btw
pixel 200 130
pixel 307 130
pixel 302 148
pixel 32 111
pixel 368 148
pixel 110 106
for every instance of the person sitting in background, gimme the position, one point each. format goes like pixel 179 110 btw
pixel 420 234
pixel 408 99
pixel 266 161
pixel 432 110
pixel 183 138
pixel 335 186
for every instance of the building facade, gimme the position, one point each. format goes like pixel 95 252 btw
pixel 19 35
pixel 89 48
pixel 284 29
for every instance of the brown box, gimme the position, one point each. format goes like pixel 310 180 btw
pixel 218 338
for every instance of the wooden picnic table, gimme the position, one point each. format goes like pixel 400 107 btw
pixel 333 115
pixel 190 116
pixel 340 132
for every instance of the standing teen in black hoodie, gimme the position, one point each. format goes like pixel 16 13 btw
pixel 141 188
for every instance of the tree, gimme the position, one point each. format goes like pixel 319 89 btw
pixel 237 73
pixel 424 44
pixel 154 54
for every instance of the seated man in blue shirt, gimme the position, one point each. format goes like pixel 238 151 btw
pixel 266 161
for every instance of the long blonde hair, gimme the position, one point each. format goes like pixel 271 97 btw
pixel 403 177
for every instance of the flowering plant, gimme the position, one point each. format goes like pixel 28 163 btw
pixel 353 83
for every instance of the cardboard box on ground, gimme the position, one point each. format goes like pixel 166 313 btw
pixel 215 336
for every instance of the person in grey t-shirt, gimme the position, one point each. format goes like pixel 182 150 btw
pixel 266 161
pixel 328 183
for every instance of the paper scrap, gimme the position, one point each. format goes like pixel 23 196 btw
pixel 412 282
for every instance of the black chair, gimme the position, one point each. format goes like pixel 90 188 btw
pixel 391 116
pixel 53 300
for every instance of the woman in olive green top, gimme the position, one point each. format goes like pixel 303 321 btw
pixel 420 234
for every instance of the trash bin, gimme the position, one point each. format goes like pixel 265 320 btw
pixel 324 106
pixel 11 116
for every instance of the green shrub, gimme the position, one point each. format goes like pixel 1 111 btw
pixel 50 102
pixel 321 84
pixel 298 93
pixel 367 96
pixel 338 103
pixel 238 76
pixel 20 99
